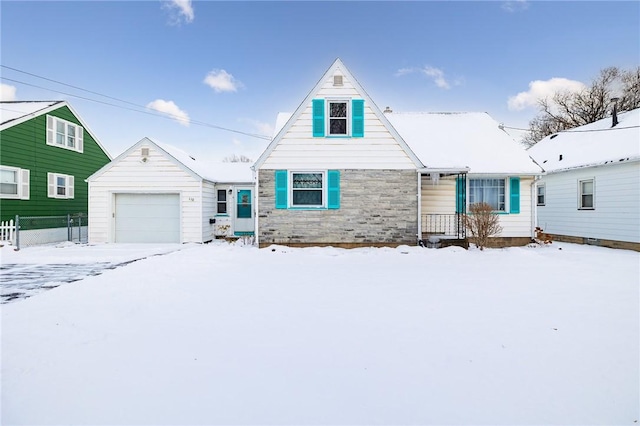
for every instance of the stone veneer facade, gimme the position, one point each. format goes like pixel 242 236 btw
pixel 377 208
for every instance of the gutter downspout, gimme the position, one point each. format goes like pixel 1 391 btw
pixel 534 204
pixel 256 207
pixel 419 207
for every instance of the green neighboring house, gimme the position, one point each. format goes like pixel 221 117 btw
pixel 46 153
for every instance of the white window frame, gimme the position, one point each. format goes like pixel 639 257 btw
pixel 22 182
pixel 323 189
pixel 52 186
pixel 221 202
pixel 581 194
pixel 347 118
pixel 506 188
pixel 52 134
pixel 538 194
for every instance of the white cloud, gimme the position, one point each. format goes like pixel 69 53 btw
pixel 405 71
pixel 515 5
pixel 171 109
pixel 7 92
pixel 436 74
pixel 222 81
pixel 539 90
pixel 180 11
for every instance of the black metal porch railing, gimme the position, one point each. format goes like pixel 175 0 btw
pixel 446 225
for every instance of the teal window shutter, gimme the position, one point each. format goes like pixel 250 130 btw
pixel 514 195
pixel 333 189
pixel 460 195
pixel 318 118
pixel 281 189
pixel 357 118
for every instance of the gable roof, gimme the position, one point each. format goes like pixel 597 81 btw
pixel 593 144
pixel 13 113
pixel 216 172
pixel 16 110
pixel 337 65
pixel 463 139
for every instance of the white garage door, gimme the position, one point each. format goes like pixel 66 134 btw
pixel 147 218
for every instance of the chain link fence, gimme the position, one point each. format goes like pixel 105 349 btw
pixel 38 230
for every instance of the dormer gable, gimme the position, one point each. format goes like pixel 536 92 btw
pixel 338 119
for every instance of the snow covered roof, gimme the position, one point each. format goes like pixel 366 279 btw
pixel 281 120
pixel 590 145
pixel 210 170
pixel 13 110
pixel 457 140
pixel 462 139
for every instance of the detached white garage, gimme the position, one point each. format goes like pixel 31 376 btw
pixel 156 193
pixel 147 218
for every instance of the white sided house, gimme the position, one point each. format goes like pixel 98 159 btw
pixel 500 172
pixel 341 172
pixel 591 190
pixel 156 193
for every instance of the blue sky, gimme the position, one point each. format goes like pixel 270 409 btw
pixel 237 64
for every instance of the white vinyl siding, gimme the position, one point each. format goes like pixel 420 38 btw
pixel 159 174
pixel 64 134
pixel 14 183
pixel 440 198
pixel 617 203
pixel 298 149
pixel 60 186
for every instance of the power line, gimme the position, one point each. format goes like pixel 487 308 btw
pixel 502 126
pixel 162 115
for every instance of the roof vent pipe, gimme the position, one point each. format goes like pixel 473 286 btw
pixel 614 115
pixel 387 110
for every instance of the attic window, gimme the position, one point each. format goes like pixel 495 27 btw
pixel 337 80
pixel 338 117
pixel 144 152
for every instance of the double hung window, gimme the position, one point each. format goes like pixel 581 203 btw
pixel 9 183
pixel 490 191
pixel 222 201
pixel 60 186
pixel 14 183
pixel 338 118
pixel 541 195
pixel 64 134
pixel 586 192
pixel 307 189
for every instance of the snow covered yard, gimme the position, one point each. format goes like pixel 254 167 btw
pixel 224 334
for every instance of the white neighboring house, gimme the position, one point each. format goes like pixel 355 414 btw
pixel 591 190
pixel 157 193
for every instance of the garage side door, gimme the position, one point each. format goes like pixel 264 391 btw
pixel 147 218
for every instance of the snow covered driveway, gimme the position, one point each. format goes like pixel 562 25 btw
pixel 46 267
pixel 222 334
